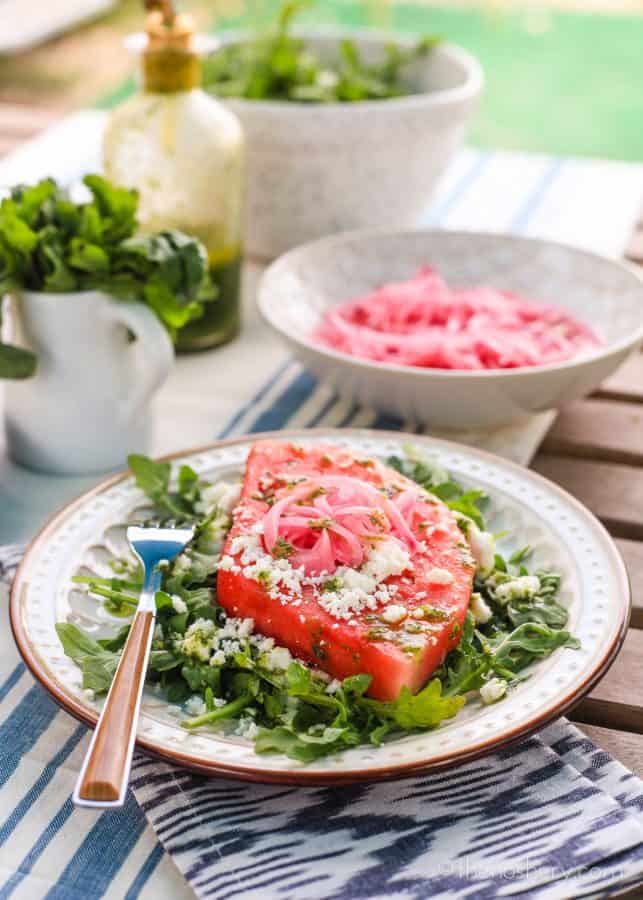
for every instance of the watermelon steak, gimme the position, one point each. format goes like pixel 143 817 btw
pixel 350 565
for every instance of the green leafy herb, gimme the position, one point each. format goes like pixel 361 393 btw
pixel 434 479
pixel 96 663
pixel 153 478
pixel 279 66
pixel 423 710
pixel 49 243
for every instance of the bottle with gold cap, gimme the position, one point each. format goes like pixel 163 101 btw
pixel 183 151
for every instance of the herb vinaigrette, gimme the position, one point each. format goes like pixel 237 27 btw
pixel 183 152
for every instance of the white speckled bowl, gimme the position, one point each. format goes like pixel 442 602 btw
pixel 605 294
pixel 314 169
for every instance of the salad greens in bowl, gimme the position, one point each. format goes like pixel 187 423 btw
pixel 51 244
pixel 343 127
pixel 282 64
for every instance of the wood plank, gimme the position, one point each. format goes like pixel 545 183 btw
pixel 624 746
pixel 9 143
pixel 24 121
pixel 632 553
pixel 597 430
pixel 613 492
pixel 626 383
pixel 617 702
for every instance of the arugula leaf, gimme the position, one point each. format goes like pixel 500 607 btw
pixel 527 643
pixel 115 644
pixel 301 745
pixel 423 710
pixel 434 479
pixel 152 477
pixel 96 663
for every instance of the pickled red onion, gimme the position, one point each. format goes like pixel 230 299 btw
pixel 424 323
pixel 338 526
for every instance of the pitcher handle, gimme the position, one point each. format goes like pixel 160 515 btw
pixel 153 351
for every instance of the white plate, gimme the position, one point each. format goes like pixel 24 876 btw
pixel 564 535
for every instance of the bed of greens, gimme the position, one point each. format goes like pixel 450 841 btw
pixel 277 65
pixel 223 675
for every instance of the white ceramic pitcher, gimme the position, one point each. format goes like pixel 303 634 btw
pixel 88 404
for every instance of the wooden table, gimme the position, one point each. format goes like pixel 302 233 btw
pixel 18 123
pixel 595 451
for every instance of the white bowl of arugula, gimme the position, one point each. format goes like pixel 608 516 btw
pixel 344 128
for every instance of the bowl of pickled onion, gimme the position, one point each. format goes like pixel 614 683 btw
pixel 454 329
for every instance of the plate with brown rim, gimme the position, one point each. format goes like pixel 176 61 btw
pixel 528 509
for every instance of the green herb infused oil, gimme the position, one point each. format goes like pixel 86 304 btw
pixel 183 151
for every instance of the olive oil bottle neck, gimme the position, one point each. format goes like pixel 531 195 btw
pixel 170 71
pixel 170 63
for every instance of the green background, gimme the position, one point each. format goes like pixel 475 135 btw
pixel 564 83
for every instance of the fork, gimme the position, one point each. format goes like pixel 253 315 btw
pixel 105 773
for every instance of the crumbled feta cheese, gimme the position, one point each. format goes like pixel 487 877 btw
pixel 523 587
pixel 363 588
pixel 279 658
pixel 182 564
pixel 227 563
pixel 480 609
pixel 223 495
pixel 195 706
pixel 245 627
pixel 393 614
pixel 218 658
pixel 493 690
pixel 247 728
pixel 439 576
pixel 263 644
pixel 387 558
pixel 198 640
pixel 333 686
pixel 180 606
pixel 483 548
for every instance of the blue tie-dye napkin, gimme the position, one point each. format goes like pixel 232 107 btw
pixel 554 817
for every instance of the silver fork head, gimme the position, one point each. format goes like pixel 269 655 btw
pixel 153 544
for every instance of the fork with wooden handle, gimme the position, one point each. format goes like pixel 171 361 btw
pixel 104 776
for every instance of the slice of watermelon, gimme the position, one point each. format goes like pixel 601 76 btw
pixel 395 617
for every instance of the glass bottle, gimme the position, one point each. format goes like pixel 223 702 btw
pixel 183 151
